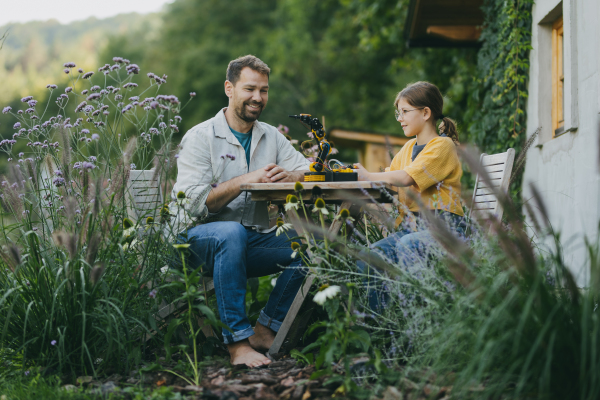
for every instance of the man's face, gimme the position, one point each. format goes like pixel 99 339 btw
pixel 250 94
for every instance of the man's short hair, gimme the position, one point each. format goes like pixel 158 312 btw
pixel 235 67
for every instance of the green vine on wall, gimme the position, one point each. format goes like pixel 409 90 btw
pixel 498 98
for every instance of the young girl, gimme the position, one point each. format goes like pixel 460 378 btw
pixel 429 166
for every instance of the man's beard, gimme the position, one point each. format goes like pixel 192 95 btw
pixel 246 116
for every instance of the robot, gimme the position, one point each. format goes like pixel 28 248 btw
pixel 321 170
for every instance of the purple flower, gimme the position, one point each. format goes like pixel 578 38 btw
pixel 85 91
pixel 85 131
pixel 105 68
pixel 58 181
pixel 26 99
pixel 66 71
pixel 6 110
pixel 127 108
pixel 192 94
pixel 95 136
pixel 80 106
pixel 92 159
pixel 80 71
pixel 154 131
pixel 162 125
pixel 132 69
pixel 87 165
pixel 20 112
pixel 153 293
pixel 177 118
pixel 26 373
pixel 51 87
pixel 130 84
pixel 88 75
pixel 230 156
pixel 118 60
pixel 214 185
pixel 53 343
pixel 93 96
pixel 153 104
pixel 95 88
pixel 132 166
pixel 114 67
pixel 69 65
pixel 17 125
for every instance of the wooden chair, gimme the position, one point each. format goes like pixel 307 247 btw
pixel 145 200
pixel 499 168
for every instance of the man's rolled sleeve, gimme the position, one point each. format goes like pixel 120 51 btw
pixel 194 173
pixel 288 157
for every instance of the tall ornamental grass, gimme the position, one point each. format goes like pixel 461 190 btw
pixel 77 282
pixel 490 315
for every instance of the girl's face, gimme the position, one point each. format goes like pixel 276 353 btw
pixel 412 119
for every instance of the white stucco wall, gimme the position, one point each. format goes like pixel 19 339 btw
pixel 565 169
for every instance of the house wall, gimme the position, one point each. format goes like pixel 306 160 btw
pixel 565 169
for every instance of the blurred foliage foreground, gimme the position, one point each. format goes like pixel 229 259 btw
pixel 489 316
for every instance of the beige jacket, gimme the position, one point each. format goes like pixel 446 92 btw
pixel 202 160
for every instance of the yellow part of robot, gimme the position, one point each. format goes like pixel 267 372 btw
pixel 314 178
pixel 342 170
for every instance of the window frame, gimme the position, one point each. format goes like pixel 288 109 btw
pixel 558 78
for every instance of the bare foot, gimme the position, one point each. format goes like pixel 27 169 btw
pixel 262 339
pixel 242 353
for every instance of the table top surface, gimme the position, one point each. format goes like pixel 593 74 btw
pixel 251 187
pixel 331 191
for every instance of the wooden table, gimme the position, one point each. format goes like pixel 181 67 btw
pixel 346 194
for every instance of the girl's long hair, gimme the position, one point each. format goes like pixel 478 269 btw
pixel 425 94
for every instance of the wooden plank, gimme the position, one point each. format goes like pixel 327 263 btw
pixel 309 185
pixel 363 137
pixel 484 206
pixel 485 198
pixel 484 191
pixel 291 315
pixel 494 168
pixel 493 159
pixel 337 224
pixel 496 175
pixel 494 183
pixel 332 191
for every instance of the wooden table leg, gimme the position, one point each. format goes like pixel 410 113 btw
pixel 303 292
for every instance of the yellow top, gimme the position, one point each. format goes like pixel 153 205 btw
pixel 436 172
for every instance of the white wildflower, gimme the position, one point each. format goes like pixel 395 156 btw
pixel 326 292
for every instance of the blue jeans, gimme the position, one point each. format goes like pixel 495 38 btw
pixel 409 248
pixel 232 253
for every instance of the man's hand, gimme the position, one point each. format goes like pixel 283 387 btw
pixel 272 173
pixel 225 192
pixel 275 173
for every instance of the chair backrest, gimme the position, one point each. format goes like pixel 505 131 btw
pixel 498 167
pixel 145 195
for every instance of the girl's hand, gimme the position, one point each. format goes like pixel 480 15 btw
pixel 363 174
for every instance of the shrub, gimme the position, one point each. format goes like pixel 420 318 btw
pixel 76 280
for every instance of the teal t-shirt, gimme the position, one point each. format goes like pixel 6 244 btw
pixel 245 140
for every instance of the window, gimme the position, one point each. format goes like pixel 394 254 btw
pixel 558 78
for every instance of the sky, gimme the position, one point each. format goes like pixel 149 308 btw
pixel 66 11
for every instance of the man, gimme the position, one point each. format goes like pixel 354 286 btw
pixel 233 148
